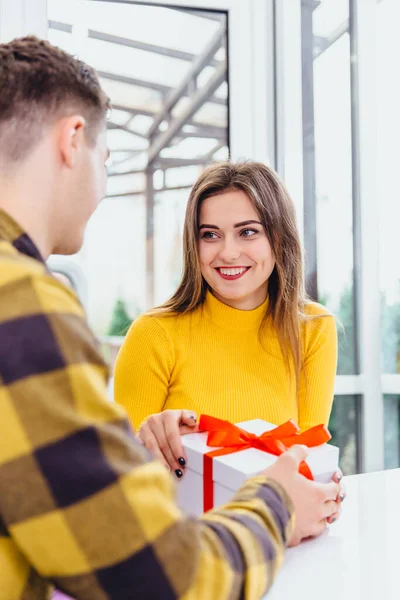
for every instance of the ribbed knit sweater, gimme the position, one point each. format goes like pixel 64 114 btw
pixel 213 361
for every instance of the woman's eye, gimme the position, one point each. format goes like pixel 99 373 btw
pixel 248 232
pixel 209 235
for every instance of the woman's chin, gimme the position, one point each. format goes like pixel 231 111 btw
pixel 227 295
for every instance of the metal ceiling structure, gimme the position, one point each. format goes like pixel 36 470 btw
pixel 166 130
pixel 152 117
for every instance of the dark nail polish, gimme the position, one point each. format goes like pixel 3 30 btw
pixel 333 519
pixel 341 497
pixel 182 461
pixel 178 473
pixel 339 477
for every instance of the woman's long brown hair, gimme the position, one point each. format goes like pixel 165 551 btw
pixel 277 215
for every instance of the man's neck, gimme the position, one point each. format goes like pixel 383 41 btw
pixel 26 206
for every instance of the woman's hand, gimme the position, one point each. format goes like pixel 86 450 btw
pixel 339 499
pixel 161 435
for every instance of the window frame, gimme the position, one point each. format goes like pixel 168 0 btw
pixel 369 384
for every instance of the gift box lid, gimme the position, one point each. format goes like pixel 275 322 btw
pixel 233 469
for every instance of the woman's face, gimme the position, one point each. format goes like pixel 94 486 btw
pixel 236 258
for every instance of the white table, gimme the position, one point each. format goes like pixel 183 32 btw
pixel 359 557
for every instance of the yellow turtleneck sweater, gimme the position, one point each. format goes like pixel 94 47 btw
pixel 211 361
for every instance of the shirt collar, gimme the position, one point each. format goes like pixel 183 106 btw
pixel 13 233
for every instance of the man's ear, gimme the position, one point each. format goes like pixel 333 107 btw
pixel 71 139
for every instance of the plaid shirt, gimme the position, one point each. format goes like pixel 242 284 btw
pixel 82 505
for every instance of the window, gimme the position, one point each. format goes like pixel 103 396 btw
pixel 392 431
pixel 311 82
pixel 326 95
pixel 327 163
pixel 165 71
pixel 67 270
pixel 388 132
pixel 388 102
pixel 344 426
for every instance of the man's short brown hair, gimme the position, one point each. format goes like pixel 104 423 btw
pixel 38 84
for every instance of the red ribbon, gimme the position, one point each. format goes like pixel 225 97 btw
pixel 229 438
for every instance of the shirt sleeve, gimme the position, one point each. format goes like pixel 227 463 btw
pixel 143 369
pixel 317 378
pixel 82 500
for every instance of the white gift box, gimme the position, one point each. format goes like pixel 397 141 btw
pixel 232 470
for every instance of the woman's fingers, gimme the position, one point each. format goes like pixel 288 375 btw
pixel 342 493
pixel 338 502
pixel 161 434
pixel 334 517
pixel 338 476
pixel 165 429
pixel 188 423
pixel 329 491
pixel 184 429
pixel 189 418
pixel 319 528
pixel 329 509
pixel 150 442
pixel 172 433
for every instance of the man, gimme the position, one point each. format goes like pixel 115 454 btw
pixel 82 505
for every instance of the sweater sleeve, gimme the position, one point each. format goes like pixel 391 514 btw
pixel 317 379
pixel 143 369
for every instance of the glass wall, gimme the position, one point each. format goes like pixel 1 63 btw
pixel 165 71
pixel 312 87
pixel 328 192
pixel 344 425
pixel 388 102
pixel 388 134
pixel 327 161
pixel 392 431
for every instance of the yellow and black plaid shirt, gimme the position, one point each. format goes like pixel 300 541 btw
pixel 82 506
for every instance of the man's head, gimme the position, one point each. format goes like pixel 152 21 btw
pixel 52 135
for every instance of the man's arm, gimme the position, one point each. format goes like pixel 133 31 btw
pixel 80 496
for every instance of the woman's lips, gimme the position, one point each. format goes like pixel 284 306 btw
pixel 232 273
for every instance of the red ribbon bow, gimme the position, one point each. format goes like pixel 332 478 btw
pixel 229 438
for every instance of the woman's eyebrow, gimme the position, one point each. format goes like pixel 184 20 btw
pixel 205 226
pixel 247 223
pixel 241 224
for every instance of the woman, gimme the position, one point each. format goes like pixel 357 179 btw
pixel 238 340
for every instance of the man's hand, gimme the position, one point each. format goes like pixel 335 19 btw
pixel 314 503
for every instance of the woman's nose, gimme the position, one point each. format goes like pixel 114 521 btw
pixel 229 250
